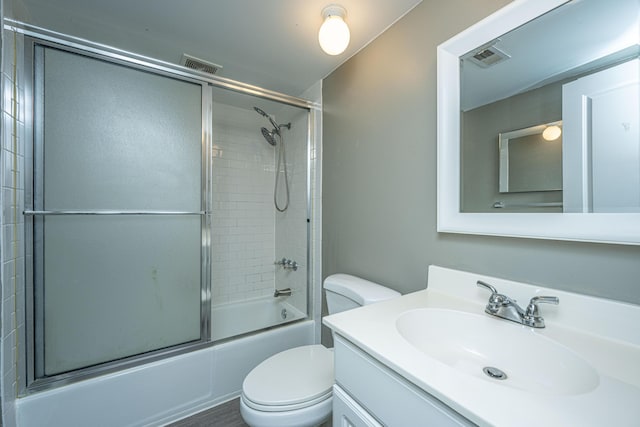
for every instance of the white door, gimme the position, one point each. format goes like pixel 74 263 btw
pixel 601 141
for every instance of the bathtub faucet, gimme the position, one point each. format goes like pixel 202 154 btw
pixel 286 292
pixel 287 264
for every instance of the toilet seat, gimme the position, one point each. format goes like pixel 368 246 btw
pixel 284 408
pixel 290 380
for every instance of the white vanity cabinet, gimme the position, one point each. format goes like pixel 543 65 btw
pixel 392 369
pixel 348 413
pixel 367 393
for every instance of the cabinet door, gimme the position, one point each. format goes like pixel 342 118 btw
pixel 391 398
pixel 347 412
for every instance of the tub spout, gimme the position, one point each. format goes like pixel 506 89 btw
pixel 282 292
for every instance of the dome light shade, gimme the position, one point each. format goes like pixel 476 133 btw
pixel 552 133
pixel 334 33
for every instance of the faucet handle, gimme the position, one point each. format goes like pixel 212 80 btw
pixel 548 300
pixel 482 284
pixel 532 316
pixel 496 300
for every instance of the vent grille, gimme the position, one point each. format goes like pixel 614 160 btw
pixel 488 56
pixel 484 55
pixel 199 64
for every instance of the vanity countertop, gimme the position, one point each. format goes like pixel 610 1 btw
pixel 601 332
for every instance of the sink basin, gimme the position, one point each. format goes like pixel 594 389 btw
pixel 471 342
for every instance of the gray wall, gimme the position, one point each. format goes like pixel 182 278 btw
pixel 379 176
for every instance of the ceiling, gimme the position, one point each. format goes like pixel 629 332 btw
pixel 268 43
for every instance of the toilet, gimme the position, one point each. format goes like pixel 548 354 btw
pixel 294 388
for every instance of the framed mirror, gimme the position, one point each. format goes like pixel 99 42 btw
pixel 521 51
pixel 531 159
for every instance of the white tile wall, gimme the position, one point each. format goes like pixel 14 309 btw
pixel 248 233
pixel 243 219
pixel 11 237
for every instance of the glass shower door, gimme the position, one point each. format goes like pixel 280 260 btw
pixel 118 212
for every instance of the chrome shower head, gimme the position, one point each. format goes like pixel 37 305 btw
pixel 262 113
pixel 268 135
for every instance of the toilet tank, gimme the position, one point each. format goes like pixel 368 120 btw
pixel 345 292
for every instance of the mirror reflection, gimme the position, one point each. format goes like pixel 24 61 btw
pixel 531 159
pixel 578 65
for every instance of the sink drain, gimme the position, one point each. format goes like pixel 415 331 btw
pixel 494 373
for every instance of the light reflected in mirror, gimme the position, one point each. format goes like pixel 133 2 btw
pixel 527 77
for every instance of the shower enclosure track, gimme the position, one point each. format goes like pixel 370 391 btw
pixel 110 212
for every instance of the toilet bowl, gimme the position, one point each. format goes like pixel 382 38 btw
pixel 294 388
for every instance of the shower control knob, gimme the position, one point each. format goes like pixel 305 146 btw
pixel 287 264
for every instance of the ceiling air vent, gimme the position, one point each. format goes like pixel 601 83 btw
pixel 488 56
pixel 199 64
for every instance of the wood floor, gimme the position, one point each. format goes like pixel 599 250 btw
pixel 225 415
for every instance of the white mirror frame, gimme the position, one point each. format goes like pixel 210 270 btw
pixel 620 228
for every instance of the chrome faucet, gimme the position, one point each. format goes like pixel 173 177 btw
pixel 502 306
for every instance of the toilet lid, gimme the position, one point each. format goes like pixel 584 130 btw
pixel 301 375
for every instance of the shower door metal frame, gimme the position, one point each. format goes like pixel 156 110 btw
pixel 34 35
pixel 34 212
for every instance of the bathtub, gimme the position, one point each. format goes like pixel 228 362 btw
pixel 228 320
pixel 167 390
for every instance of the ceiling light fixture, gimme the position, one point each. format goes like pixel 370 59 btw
pixel 551 133
pixel 334 33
